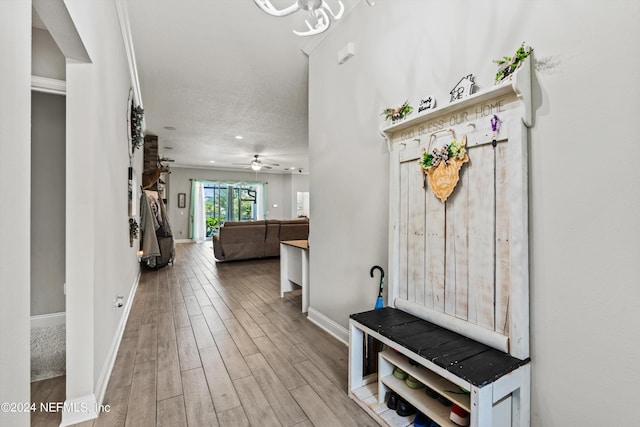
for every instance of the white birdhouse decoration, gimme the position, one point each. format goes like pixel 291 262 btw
pixel 463 89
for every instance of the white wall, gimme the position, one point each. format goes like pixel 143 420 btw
pixel 47 60
pixel 294 183
pixel 278 193
pixel 47 203
pixel 584 201
pixel 15 152
pixel 48 180
pixel 100 262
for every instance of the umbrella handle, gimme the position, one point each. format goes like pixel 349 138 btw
pixel 377 267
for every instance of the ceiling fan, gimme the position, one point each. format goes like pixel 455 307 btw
pixel 256 164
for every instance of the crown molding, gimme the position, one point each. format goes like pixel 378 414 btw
pixel 48 85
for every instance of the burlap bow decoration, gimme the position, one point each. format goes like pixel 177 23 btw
pixel 442 166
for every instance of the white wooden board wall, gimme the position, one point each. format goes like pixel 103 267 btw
pixel 447 250
pixel 466 258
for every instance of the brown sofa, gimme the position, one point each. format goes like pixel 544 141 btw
pixel 257 239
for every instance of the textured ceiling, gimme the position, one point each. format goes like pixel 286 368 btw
pixel 214 69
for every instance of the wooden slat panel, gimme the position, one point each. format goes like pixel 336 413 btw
pixel 415 234
pixel 457 248
pixel 481 237
pixel 404 205
pixel 503 264
pixel 434 251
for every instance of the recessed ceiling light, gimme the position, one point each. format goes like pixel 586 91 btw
pixel 212 161
pixel 169 128
pixel 239 137
pixel 292 168
pixel 166 147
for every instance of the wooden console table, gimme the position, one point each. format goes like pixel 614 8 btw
pixel 294 269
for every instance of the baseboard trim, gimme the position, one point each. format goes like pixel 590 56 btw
pixel 183 241
pixel 333 328
pixel 103 380
pixel 79 410
pixel 47 320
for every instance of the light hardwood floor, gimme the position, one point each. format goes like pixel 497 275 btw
pixel 211 344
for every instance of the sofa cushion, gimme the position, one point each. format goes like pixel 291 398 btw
pixel 242 242
pixel 242 223
pixel 294 229
pixel 272 238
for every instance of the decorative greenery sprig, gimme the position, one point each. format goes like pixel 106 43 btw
pixel 137 115
pixel 397 113
pixel 448 151
pixel 508 64
pixel 133 228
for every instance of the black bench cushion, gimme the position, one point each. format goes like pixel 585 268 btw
pixel 466 358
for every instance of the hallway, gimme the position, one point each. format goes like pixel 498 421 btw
pixel 211 344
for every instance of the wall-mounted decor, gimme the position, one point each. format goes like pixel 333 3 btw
pixel 427 104
pixel 463 89
pixel 133 194
pixel 460 266
pixel 182 200
pixel 442 166
pixel 135 117
pixel 133 231
pixel 397 114
pixel 507 65
pixel 319 12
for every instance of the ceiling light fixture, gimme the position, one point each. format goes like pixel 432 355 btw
pixel 317 12
pixel 256 164
pixel 239 137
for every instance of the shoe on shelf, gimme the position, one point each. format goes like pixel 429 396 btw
pixel 392 401
pixel 421 420
pixel 400 374
pixel 405 408
pixel 459 416
pixel 444 400
pixel 413 383
pixel 431 393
